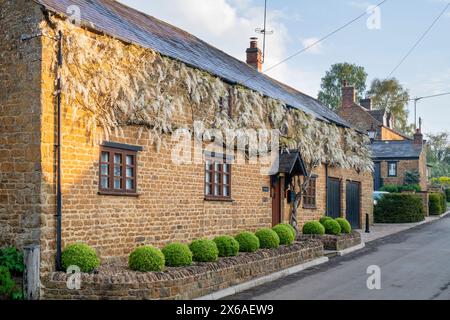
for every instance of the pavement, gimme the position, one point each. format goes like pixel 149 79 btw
pixel 413 264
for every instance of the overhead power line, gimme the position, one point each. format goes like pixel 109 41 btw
pixel 419 40
pixel 319 41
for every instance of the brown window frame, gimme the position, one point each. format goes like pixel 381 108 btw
pixel 221 161
pixel 123 191
pixel 310 194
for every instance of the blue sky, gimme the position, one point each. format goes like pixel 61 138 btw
pixel 228 24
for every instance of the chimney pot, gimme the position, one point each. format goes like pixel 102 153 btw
pixel 254 55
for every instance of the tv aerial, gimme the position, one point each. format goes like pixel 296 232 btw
pixel 264 31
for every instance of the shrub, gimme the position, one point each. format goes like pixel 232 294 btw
pixel 411 187
pixel 146 259
pixel 399 208
pixel 248 242
pixel 7 284
pixel 332 227
pixel 268 238
pixel 80 255
pixel 313 227
pixel 227 246
pixel 447 194
pixel 290 228
pixel 390 188
pixel 412 177
pixel 12 259
pixel 325 218
pixel 345 225
pixel 435 204
pixel 284 233
pixel 177 255
pixel 443 202
pixel 204 250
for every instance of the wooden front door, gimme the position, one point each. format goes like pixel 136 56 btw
pixel 353 203
pixel 276 200
pixel 333 198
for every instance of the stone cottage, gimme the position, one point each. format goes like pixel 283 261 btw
pixel 92 96
pixel 394 153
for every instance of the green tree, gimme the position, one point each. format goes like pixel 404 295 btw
pixel 331 87
pixel 390 95
pixel 438 154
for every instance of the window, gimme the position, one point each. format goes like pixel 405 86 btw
pixel 117 171
pixel 217 179
pixel 309 196
pixel 392 169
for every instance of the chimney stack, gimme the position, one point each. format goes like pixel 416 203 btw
pixel 254 55
pixel 418 136
pixel 348 95
pixel 366 103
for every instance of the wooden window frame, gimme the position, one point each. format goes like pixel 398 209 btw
pixel 310 194
pixel 221 160
pixel 389 171
pixel 111 176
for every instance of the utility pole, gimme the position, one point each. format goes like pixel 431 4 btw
pixel 415 111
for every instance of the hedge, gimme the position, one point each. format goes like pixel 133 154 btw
pixel 447 194
pixel 248 242
pixel 443 202
pixel 286 235
pixel 177 255
pixel 146 259
pixel 268 239
pixel 390 188
pixel 332 227
pixel 435 204
pixel 227 246
pixel 325 218
pixel 399 208
pixel 313 227
pixel 80 255
pixel 204 250
pixel 345 225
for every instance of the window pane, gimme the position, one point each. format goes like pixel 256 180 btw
pixel 117 171
pixel 225 179
pixel 118 158
pixel 226 168
pixel 130 172
pixel 208 189
pixel 216 190
pixel 105 156
pixel 104 183
pixel 117 183
pixel 130 184
pixel 208 177
pixel 217 178
pixel 130 160
pixel 208 165
pixel 105 170
pixel 226 191
pixel 217 166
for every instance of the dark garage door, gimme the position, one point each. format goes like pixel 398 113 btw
pixel 334 198
pixel 353 196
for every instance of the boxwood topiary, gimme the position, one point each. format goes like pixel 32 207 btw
pixel 248 242
pixel 177 255
pixel 204 250
pixel 80 255
pixel 284 233
pixel 435 204
pixel 332 227
pixel 227 246
pixel 399 208
pixel 290 228
pixel 268 238
pixel 313 227
pixel 345 225
pixel 146 259
pixel 325 218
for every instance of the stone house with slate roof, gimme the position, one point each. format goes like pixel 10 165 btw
pixel 394 153
pixel 84 158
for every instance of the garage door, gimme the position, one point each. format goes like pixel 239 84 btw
pixel 353 197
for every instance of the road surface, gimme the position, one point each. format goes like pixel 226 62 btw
pixel 414 264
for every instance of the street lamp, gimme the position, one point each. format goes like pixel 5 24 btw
pixel 372 133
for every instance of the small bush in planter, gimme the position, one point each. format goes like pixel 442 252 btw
pixel 177 255
pixel 248 242
pixel 290 228
pixel 313 227
pixel 399 208
pixel 435 204
pixel 345 225
pixel 80 255
pixel 325 218
pixel 146 259
pixel 284 233
pixel 204 250
pixel 227 246
pixel 332 227
pixel 268 239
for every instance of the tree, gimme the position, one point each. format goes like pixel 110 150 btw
pixel 438 154
pixel 390 95
pixel 331 93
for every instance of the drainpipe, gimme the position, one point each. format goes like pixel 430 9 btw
pixel 58 168
pixel 326 189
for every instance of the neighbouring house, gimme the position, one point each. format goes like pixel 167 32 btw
pixel 394 154
pixel 90 110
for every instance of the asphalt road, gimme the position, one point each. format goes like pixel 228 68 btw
pixel 414 264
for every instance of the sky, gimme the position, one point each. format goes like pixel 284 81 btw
pixel 377 42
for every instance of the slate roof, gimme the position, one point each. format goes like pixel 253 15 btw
pixel 129 25
pixel 396 149
pixel 292 163
pixel 377 114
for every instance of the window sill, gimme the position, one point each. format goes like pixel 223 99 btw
pixel 218 199
pixel 117 194
pixel 310 207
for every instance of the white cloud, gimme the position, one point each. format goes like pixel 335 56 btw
pixel 228 25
